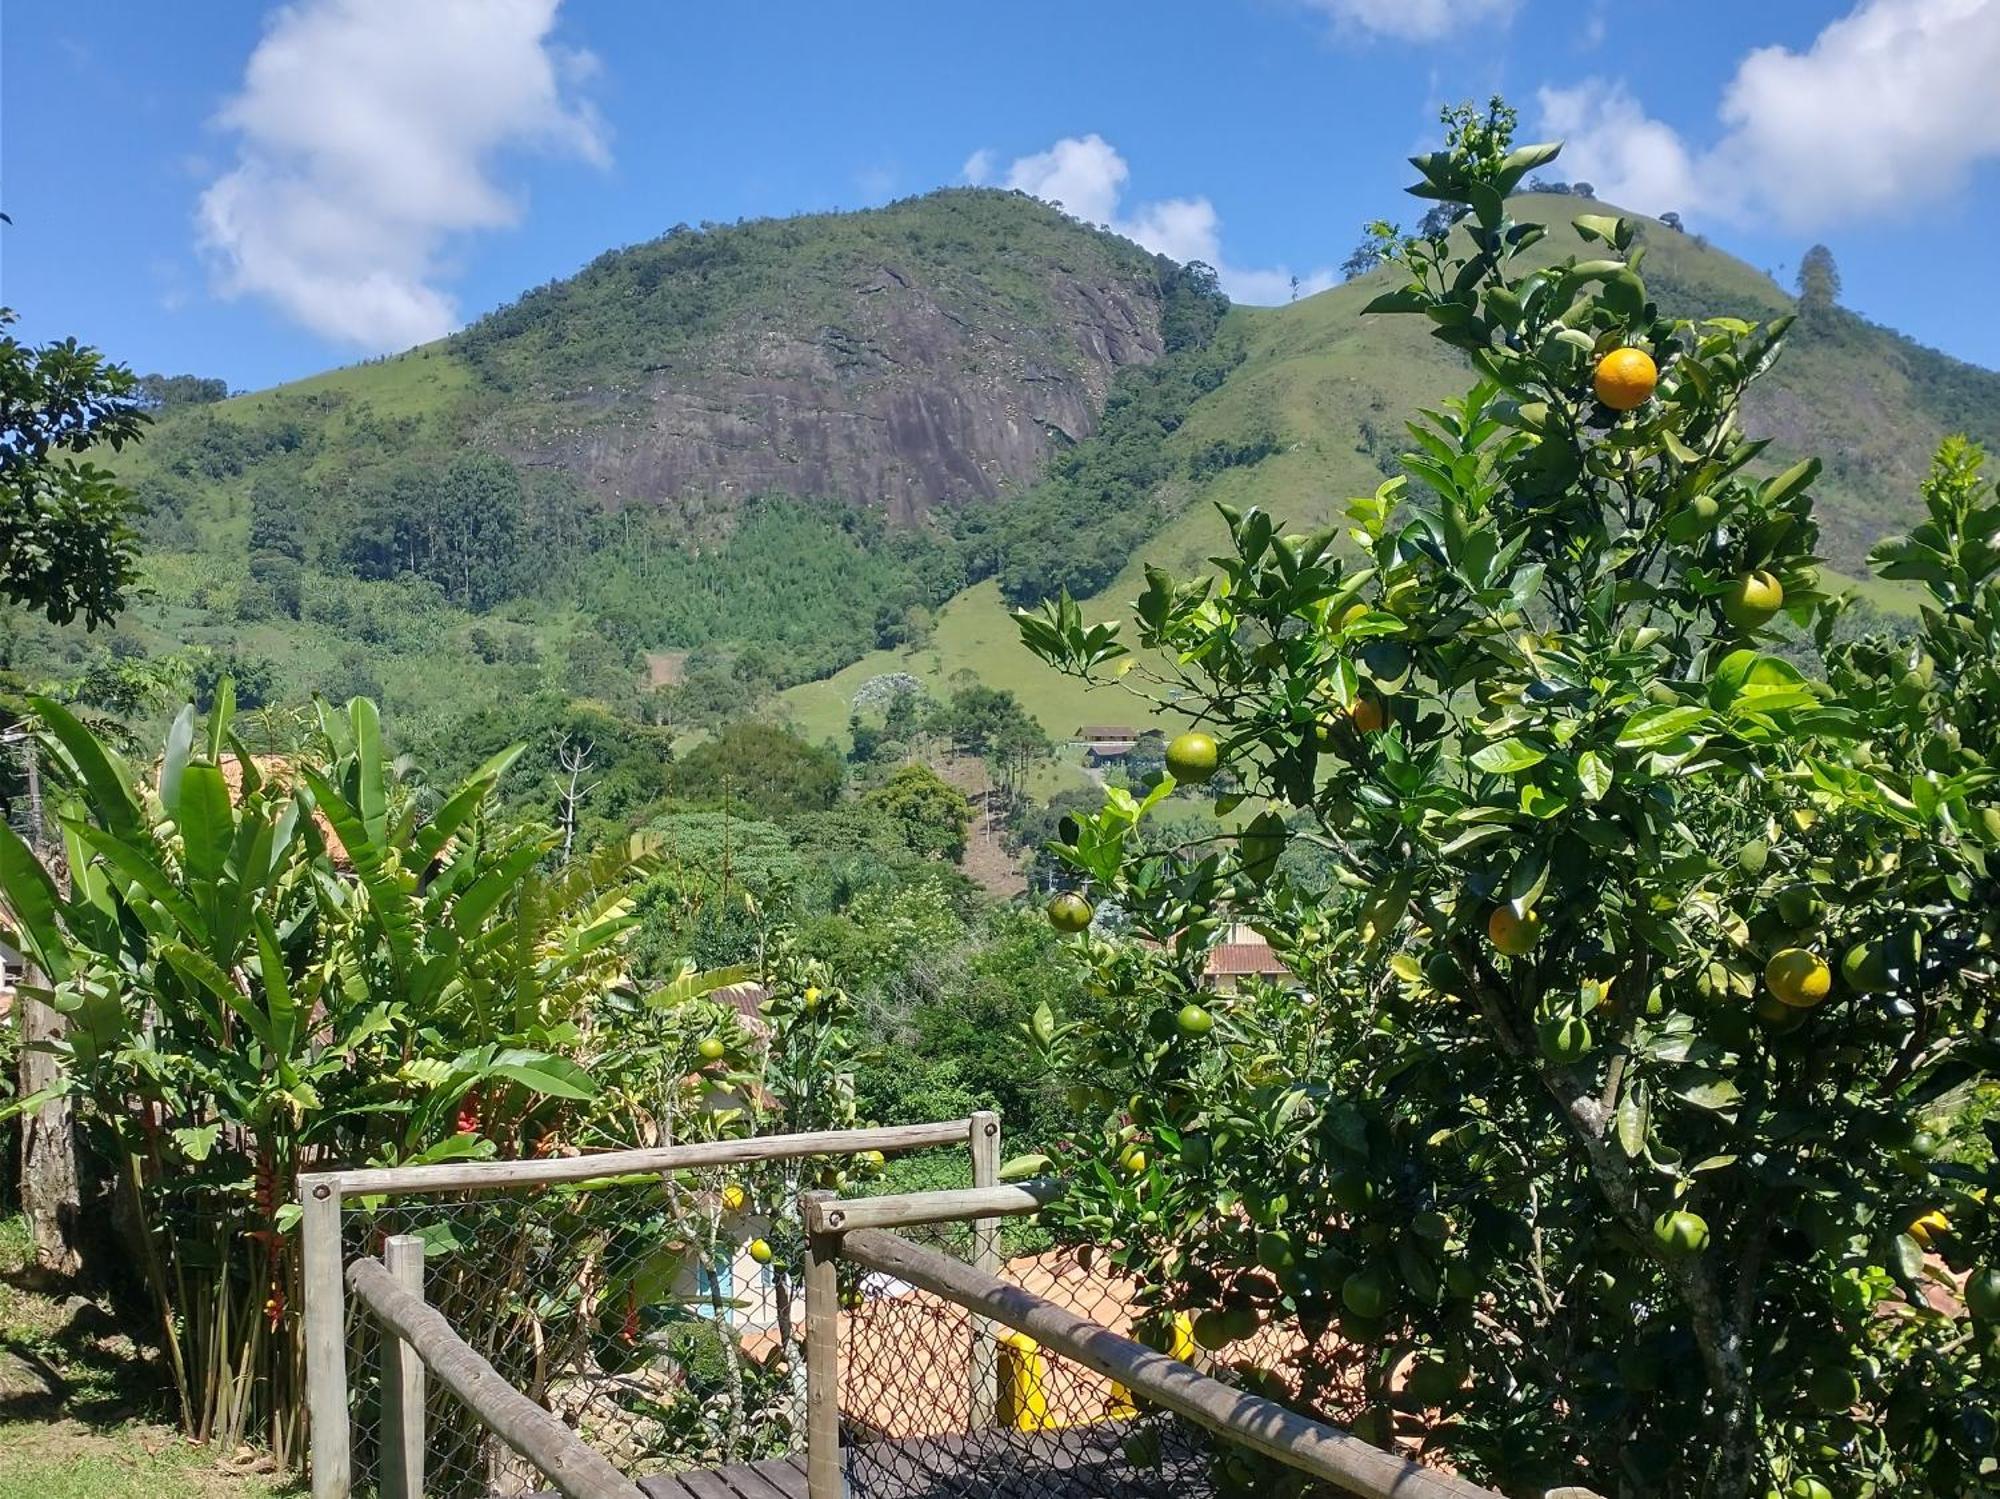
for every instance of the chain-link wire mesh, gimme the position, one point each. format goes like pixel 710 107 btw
pixel 922 1420
pixel 659 1316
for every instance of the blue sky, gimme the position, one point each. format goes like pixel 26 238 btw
pixel 259 192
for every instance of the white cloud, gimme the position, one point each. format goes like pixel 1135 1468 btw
pixel 1413 20
pixel 1890 107
pixel 1087 176
pixel 1611 143
pixel 365 132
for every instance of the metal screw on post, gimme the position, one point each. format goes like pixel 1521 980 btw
pixel 326 1338
pixel 985 1363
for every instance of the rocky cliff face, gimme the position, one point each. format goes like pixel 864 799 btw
pixel 952 343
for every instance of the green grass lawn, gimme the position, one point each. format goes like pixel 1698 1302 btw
pixel 81 1414
pixel 974 634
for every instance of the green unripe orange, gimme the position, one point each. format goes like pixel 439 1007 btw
pixel 1194 1021
pixel 1514 935
pixel 1192 757
pixel 1368 1292
pixel 1982 1294
pixel 1865 968
pixel 1680 1234
pixel 1752 600
pixel 1069 912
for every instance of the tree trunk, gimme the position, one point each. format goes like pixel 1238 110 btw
pixel 50 1196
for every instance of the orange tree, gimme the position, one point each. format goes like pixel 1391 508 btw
pixel 1591 1143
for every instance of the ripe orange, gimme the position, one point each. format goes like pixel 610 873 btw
pixel 1625 379
pixel 1798 978
pixel 760 1251
pixel 1928 1228
pixel 734 1198
pixel 1750 602
pixel 1368 715
pixel 1514 935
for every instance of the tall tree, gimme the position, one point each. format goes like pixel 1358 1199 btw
pixel 1819 281
pixel 67 546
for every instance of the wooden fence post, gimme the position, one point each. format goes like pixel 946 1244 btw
pixel 326 1336
pixel 985 1256
pixel 403 1382
pixel 822 1359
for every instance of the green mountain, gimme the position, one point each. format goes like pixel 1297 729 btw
pixel 1336 387
pixel 785 456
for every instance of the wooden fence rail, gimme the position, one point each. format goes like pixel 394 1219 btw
pixel 560 1454
pixel 322 1194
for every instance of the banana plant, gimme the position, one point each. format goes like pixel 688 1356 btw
pixel 279 962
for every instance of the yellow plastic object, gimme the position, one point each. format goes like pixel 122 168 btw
pixel 1024 1384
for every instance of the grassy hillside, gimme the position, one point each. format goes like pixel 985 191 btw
pixel 1334 388
pixel 1337 388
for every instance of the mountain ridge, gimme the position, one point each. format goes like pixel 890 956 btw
pixel 409 525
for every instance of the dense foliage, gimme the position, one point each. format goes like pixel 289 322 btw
pixel 1593 1141
pixel 269 962
pixel 67 546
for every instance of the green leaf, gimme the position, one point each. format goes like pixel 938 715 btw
pixel 1594 772
pixel 202 972
pixel 370 792
pixel 33 903
pixel 277 990
pixel 206 821
pixel 1508 756
pixel 1523 160
pixel 104 775
pixel 1776 491
pixel 1703 1088
pixel 1402 299
pixel 220 712
pixel 554 1077
pixel 197 1142
pixel 180 741
pixel 1596 226
pixel 135 865
pixel 1632 1123
pixel 1651 726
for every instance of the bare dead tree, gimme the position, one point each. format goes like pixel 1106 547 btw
pixel 573 760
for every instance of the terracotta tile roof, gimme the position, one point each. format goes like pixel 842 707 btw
pixel 747 999
pixel 1244 957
